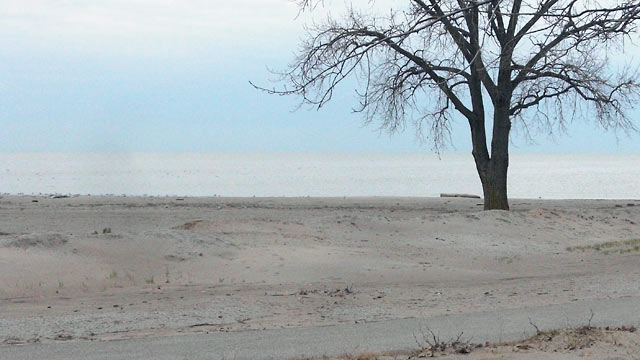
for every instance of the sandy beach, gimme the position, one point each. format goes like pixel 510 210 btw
pixel 102 268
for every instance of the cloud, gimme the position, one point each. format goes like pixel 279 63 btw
pixel 146 22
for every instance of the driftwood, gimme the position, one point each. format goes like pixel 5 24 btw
pixel 461 196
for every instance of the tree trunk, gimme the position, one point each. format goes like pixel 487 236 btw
pixel 494 181
pixel 494 185
pixel 493 169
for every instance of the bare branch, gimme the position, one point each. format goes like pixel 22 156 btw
pixel 433 59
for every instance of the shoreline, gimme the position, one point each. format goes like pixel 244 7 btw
pixel 295 197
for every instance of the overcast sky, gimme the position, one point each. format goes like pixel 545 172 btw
pixel 163 75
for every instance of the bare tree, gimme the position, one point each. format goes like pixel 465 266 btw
pixel 537 63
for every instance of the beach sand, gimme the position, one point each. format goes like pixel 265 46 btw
pixel 92 267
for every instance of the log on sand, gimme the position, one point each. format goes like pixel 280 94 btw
pixel 461 196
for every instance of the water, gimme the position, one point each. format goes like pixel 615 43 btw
pixel 549 176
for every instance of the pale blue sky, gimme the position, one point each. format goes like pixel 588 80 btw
pixel 163 75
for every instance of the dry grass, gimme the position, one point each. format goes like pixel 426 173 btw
pixel 363 356
pixel 569 340
pixel 360 356
pixel 549 342
pixel 609 247
pixel 430 345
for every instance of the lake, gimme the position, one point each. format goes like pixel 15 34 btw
pixel 547 176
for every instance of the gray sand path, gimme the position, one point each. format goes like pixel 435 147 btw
pixel 384 336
